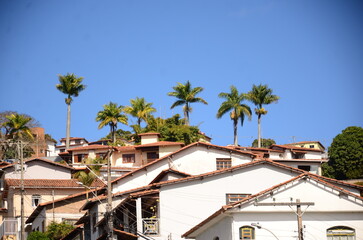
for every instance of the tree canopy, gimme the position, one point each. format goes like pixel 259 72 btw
pixel 265 142
pixel 346 155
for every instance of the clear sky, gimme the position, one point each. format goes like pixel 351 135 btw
pixel 310 52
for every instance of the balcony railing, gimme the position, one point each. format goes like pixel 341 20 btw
pixel 150 226
pixel 9 227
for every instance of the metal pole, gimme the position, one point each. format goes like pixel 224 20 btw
pixel 109 198
pixel 22 228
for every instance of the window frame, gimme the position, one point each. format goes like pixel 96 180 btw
pixel 36 200
pixel 223 163
pixel 235 197
pixel 127 156
pixel 252 233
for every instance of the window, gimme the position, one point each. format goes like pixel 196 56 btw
pixel 305 168
pixel 79 157
pixel 235 197
pixel 340 233
pixel 77 141
pixel 128 158
pixel 224 163
pixel 311 146
pixel 36 200
pixel 152 156
pixel 247 232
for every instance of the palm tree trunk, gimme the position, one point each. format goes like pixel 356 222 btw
pixel 68 127
pixel 113 135
pixel 259 130
pixel 235 125
pixel 186 114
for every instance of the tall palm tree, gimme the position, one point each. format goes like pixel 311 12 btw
pixel 17 126
pixel 71 85
pixel 186 95
pixel 111 115
pixel 140 109
pixel 261 95
pixel 233 103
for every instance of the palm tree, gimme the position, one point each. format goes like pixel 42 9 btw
pixel 111 115
pixel 261 95
pixel 17 126
pixel 71 85
pixel 238 110
pixel 140 109
pixel 186 95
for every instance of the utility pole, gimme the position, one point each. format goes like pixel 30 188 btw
pixel 109 198
pixel 298 212
pixel 22 227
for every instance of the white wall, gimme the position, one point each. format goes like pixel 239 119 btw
pixel 40 170
pixel 184 205
pixel 329 210
pixel 194 160
pixel 223 230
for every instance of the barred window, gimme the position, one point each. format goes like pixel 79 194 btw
pixel 223 163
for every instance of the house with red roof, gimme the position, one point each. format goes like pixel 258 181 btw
pixel 43 181
pixel 307 159
pixel 304 207
pixel 174 202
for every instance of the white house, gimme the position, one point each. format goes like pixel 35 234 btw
pixel 168 209
pixel 325 211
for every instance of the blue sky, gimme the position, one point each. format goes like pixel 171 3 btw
pixel 309 52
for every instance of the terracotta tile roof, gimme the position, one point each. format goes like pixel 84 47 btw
pixel 306 142
pixel 39 208
pixel 254 149
pixel 74 138
pixel 296 148
pixel 207 145
pixel 50 183
pixel 125 148
pixel 42 160
pixel 300 160
pixel 90 147
pixel 159 144
pixel 125 235
pixel 165 172
pixel 266 191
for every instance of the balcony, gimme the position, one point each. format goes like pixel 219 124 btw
pixel 150 226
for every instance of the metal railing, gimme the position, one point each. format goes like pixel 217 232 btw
pixel 150 226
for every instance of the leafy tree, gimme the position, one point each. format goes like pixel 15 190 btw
pixel 233 104
pixel 111 115
pixel 140 109
pixel 265 142
pixel 186 95
pixel 87 177
pixel 261 95
pixel 174 129
pixel 71 85
pixel 346 155
pixel 56 231
pixel 16 128
pixel 37 236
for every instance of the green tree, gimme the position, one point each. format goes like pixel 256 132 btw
pixel 16 128
pixel 265 142
pixel 186 95
pixel 57 231
pixel 71 85
pixel 174 129
pixel 261 95
pixel 111 115
pixel 233 103
pixel 140 109
pixel 37 236
pixel 88 176
pixel 346 155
